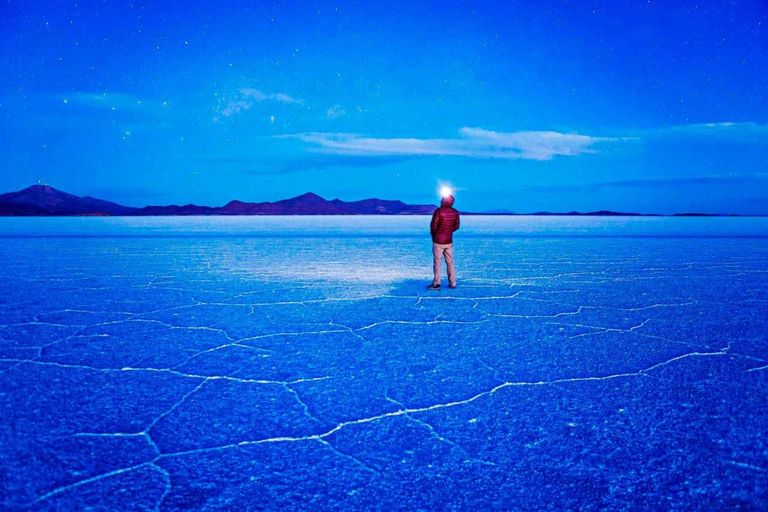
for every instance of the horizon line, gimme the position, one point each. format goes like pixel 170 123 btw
pixel 492 212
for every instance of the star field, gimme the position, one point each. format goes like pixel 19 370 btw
pixel 157 102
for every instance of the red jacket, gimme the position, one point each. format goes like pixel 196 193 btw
pixel 445 221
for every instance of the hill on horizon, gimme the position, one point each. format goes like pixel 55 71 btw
pixel 39 200
pixel 44 200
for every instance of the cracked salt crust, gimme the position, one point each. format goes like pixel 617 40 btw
pixel 596 299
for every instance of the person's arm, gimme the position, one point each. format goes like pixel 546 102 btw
pixel 456 224
pixel 435 222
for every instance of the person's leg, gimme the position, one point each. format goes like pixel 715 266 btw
pixel 450 268
pixel 437 262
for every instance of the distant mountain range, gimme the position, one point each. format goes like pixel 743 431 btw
pixel 42 200
pixel 45 201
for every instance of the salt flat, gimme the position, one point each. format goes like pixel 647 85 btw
pixel 300 363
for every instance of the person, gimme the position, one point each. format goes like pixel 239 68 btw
pixel 445 221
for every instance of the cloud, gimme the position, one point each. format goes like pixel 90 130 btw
pixel 723 179
pixel 741 179
pixel 473 143
pixel 267 167
pixel 722 126
pixel 257 95
pixel 247 98
pixel 720 130
pixel 234 107
pixel 326 162
pixel 109 100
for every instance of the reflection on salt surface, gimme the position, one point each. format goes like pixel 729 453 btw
pixel 399 226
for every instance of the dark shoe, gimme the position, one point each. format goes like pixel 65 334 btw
pixel 451 286
pixel 433 286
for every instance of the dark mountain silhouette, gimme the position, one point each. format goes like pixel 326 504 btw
pixel 189 209
pixel 42 200
pixel 600 213
pixel 380 206
pixel 305 204
pixel 45 200
pixel 21 210
pixel 706 215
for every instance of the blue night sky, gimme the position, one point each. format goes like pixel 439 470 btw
pixel 650 106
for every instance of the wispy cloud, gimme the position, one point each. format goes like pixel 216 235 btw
pixel 721 130
pixel 472 143
pixel 247 98
pixel 721 126
pixel 110 101
pixel 737 179
pixel 257 95
pixel 267 167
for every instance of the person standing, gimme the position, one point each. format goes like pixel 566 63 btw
pixel 445 221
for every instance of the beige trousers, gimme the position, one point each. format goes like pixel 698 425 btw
pixel 438 252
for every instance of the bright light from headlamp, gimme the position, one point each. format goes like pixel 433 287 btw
pixel 446 191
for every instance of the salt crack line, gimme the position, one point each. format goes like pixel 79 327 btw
pixel 87 311
pixel 106 434
pixel 467 299
pixel 348 456
pixel 603 330
pixel 426 322
pixel 746 465
pixel 643 308
pixel 352 299
pixel 41 349
pixel 495 372
pixel 722 352
pixel 406 411
pixel 53 363
pixel 164 310
pixel 132 369
pixel 168 484
pixel 241 345
pixel 400 412
pixel 758 368
pixel 188 327
pixel 303 404
pixel 143 433
pixel 214 349
pixel 678 342
pixel 565 274
pixel 300 333
pixel 35 321
pixel 437 435
pixel 150 464
pixel 226 302
pixel 174 407
pixel 224 377
pixel 96 478
pixel 492 297
pixel 556 315
pixel 690 302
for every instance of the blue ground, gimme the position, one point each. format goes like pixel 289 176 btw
pixel 268 373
